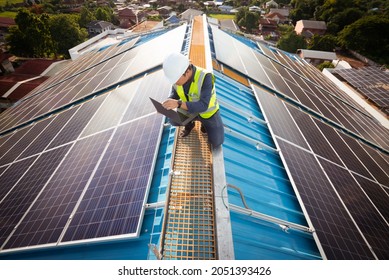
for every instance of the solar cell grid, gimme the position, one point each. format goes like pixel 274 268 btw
pixel 2 169
pixel 4 139
pixel 23 194
pixel 367 161
pixel 112 205
pixel 24 142
pixel 250 60
pixel 317 141
pixel 280 85
pixel 267 51
pixel 88 89
pixel 377 195
pixel 279 118
pixel 153 85
pixel 14 138
pixel 372 225
pixel 370 81
pixel 110 113
pixel 344 152
pixel 77 123
pixel 341 110
pixel 13 173
pixel 43 139
pixel 335 229
pixel 49 214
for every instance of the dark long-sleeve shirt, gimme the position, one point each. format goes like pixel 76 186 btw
pixel 206 92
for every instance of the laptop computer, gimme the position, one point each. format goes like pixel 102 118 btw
pixel 175 116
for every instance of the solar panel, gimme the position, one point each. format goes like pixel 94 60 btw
pixel 315 138
pixel 113 203
pixel 104 144
pixel 23 194
pixel 321 97
pixel 73 128
pixel 22 143
pixel 279 117
pixel 83 78
pixel 376 193
pixel 372 82
pixel 110 112
pixel 12 174
pixel 49 214
pixel 367 218
pixel 336 230
pixel 329 173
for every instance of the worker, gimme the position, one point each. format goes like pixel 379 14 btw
pixel 194 91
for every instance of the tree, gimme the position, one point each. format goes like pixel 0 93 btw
pixel 368 36
pixel 291 42
pixel 325 64
pixel 104 14
pixel 31 37
pixel 303 9
pixel 86 16
pixel 66 33
pixel 323 43
pixel 246 19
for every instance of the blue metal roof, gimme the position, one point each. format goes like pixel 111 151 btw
pixel 253 165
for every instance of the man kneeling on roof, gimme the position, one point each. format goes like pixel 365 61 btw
pixel 194 91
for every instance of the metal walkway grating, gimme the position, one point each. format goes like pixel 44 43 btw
pixel 189 228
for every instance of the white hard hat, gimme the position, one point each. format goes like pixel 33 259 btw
pixel 174 66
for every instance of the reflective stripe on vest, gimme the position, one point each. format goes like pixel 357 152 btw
pixel 195 92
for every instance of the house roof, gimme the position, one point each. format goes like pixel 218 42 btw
pixel 25 78
pixel 126 12
pixel 190 13
pixel 313 24
pixel 268 22
pixel 229 24
pixel 284 12
pixel 275 15
pixel 6 22
pixel 146 25
pixel 99 24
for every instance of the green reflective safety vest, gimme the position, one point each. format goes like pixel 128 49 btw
pixel 195 92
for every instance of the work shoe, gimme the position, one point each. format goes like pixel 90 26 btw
pixel 188 128
pixel 203 130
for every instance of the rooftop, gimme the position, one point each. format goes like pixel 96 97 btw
pixel 296 149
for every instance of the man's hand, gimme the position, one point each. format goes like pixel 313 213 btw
pixel 170 104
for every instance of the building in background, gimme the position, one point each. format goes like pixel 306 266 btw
pixel 308 28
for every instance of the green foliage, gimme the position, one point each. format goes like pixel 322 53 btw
pixel 66 33
pixel 105 14
pixel 31 37
pixel 86 16
pixel 291 42
pixel 325 64
pixel 10 2
pixel 285 29
pixel 44 36
pixel 323 43
pixel 368 36
pixel 246 19
pixel 303 9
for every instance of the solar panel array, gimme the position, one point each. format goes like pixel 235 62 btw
pixel 95 73
pixel 372 82
pixel 336 155
pixel 83 172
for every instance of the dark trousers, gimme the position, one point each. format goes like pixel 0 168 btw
pixel 213 126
